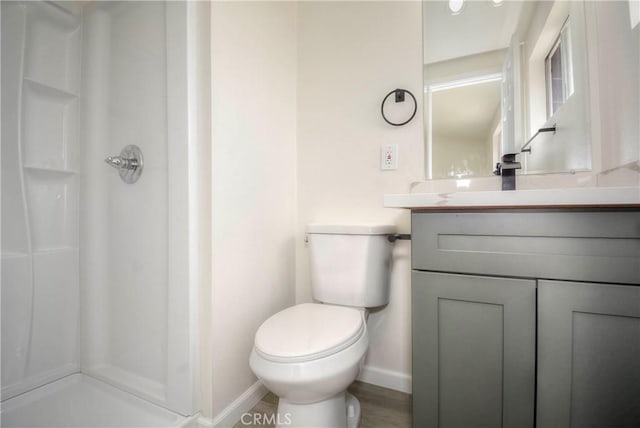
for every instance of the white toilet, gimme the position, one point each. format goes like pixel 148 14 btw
pixel 310 353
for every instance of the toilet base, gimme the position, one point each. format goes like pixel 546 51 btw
pixel 353 411
pixel 340 411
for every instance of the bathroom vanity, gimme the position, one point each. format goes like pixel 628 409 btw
pixel 526 304
pixel 525 316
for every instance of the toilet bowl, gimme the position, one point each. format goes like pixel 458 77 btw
pixel 310 353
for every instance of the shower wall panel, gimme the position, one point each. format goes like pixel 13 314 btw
pixel 41 57
pixel 138 213
pixel 126 258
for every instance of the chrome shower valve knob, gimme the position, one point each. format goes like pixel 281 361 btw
pixel 129 164
pixel 122 163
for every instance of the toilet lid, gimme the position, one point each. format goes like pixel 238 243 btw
pixel 308 331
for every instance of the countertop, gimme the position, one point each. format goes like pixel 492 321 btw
pixel 582 197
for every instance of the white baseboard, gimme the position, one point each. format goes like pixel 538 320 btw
pixel 233 412
pixel 245 402
pixel 386 378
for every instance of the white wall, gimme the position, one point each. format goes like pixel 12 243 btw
pixel 254 182
pixel 350 54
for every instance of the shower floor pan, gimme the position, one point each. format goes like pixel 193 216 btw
pixel 79 401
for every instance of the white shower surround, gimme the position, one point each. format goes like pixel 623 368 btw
pixel 99 276
pixel 40 172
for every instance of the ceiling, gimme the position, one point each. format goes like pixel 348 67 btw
pixel 480 27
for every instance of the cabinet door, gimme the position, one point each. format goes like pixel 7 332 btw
pixel 473 351
pixel 588 355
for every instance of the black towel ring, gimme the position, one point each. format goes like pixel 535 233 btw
pixel 399 97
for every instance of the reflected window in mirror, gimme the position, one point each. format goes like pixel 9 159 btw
pixel 559 71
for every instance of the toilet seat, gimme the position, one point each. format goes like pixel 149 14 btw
pixel 308 331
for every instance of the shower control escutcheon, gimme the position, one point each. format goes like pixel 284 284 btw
pixel 129 164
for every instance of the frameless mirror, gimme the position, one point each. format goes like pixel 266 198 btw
pixel 505 77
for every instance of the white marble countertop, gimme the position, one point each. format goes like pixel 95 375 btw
pixel 543 198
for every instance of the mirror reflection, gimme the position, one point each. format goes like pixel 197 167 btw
pixel 466 118
pixel 495 74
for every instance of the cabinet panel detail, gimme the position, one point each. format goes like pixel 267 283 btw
pixel 589 355
pixel 459 378
pixel 577 245
pixel 541 245
pixel 473 350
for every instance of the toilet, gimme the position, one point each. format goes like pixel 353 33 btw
pixel 310 353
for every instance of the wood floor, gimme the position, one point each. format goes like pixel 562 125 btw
pixel 381 407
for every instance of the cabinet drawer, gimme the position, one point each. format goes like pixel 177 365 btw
pixel 567 245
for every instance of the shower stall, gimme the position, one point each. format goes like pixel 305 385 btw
pixel 100 275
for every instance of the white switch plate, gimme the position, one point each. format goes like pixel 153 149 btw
pixel 389 157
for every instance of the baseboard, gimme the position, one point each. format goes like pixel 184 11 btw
pixel 233 412
pixel 386 378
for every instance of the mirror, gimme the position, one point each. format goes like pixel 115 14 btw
pixel 505 77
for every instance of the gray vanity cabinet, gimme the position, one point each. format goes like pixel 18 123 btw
pixel 588 355
pixel 482 279
pixel 474 344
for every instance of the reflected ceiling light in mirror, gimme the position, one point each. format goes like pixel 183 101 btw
pixel 455 6
pixel 461 83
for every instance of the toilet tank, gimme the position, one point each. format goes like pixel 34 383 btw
pixel 350 264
